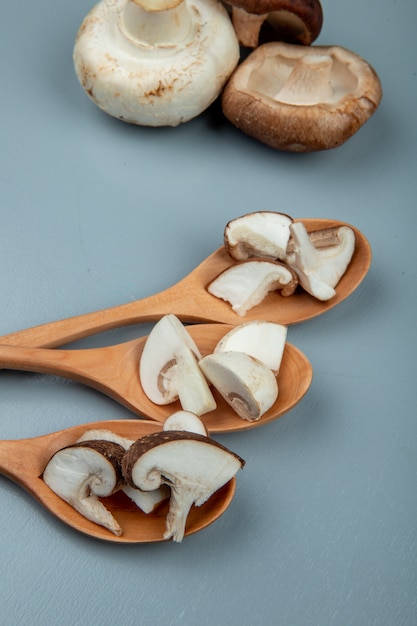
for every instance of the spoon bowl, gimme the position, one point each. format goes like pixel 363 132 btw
pixel 24 460
pixel 190 301
pixel 114 371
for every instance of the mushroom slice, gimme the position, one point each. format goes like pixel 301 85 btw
pixel 320 269
pixel 260 339
pixel 246 384
pixel 169 369
pixel 192 465
pixel 258 234
pixel 81 473
pixel 301 98
pixel 293 21
pixel 155 62
pixel 147 501
pixel 247 283
pixel 185 420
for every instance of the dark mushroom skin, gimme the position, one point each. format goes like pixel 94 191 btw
pixel 111 451
pixel 192 465
pixel 147 442
pixel 292 21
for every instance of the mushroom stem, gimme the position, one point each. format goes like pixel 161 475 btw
pixel 312 73
pixel 319 270
pixel 170 24
pixel 247 26
pixel 81 473
pixel 157 5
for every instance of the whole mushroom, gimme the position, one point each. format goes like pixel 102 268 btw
pixel 301 98
pixel 293 21
pixel 155 62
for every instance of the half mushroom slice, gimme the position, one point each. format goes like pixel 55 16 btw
pixel 192 465
pixel 169 369
pixel 293 21
pixel 246 284
pixel 185 420
pixel 301 98
pixel 81 473
pixel 248 385
pixel 147 501
pixel 263 340
pixel 258 234
pixel 319 269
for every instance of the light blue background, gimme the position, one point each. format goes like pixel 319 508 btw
pixel 94 213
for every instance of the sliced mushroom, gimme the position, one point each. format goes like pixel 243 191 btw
pixel 260 339
pixel 169 369
pixel 258 234
pixel 246 384
pixel 192 465
pixel 81 473
pixel 185 420
pixel 293 21
pixel 319 269
pixel 147 501
pixel 247 283
pixel 301 98
pixel 155 62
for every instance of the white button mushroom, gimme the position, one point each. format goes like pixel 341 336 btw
pixel 247 385
pixel 155 62
pixel 247 283
pixel 185 420
pixel 169 368
pixel 261 233
pixel 319 269
pixel 260 339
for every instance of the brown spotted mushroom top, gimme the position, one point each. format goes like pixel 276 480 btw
pixel 301 98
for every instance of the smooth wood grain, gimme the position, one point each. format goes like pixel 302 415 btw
pixel 23 461
pixel 114 371
pixel 190 301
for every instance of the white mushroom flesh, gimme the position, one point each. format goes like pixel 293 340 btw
pixel 147 501
pixel 245 383
pixel 192 465
pixel 246 284
pixel 264 233
pixel 260 339
pixel 319 270
pixel 185 420
pixel 169 369
pixel 80 475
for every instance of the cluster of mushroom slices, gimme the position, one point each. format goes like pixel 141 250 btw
pixel 301 98
pixel 274 252
pixel 242 367
pixel 180 462
pixel 155 62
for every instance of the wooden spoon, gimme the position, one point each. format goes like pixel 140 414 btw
pixel 190 301
pixel 24 460
pixel 114 370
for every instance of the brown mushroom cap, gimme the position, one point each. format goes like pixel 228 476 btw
pixel 301 98
pixel 292 21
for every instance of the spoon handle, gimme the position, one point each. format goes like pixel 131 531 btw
pixel 19 461
pixel 60 332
